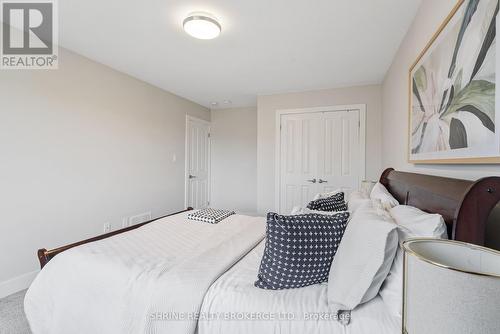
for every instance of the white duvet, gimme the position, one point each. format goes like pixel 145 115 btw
pixel 181 277
pixel 137 282
pixel 234 305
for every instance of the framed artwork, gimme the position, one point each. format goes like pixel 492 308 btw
pixel 454 105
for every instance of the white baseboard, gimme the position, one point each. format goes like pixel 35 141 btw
pixel 17 283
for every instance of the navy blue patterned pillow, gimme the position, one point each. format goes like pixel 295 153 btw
pixel 332 203
pixel 299 249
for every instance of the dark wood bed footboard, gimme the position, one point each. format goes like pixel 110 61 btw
pixel 45 255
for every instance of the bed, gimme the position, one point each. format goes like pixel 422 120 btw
pixel 234 298
pixel 171 276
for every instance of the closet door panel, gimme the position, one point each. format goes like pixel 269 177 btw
pixel 338 167
pixel 299 159
pixel 319 152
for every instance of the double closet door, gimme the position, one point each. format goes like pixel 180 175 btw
pixel 319 152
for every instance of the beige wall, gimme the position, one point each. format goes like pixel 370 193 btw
pixel 395 97
pixel 266 119
pixel 82 146
pixel 395 100
pixel 234 159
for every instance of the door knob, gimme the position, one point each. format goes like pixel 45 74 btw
pixel 322 181
pixel 192 176
pixel 312 181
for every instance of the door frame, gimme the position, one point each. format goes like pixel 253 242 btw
pixel 186 158
pixel 277 150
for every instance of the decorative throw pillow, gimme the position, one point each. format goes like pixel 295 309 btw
pixel 209 215
pixel 299 249
pixel 332 203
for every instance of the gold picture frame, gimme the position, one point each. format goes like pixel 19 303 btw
pixel 446 155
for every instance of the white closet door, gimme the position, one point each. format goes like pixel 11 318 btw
pixel 197 163
pixel 319 152
pixel 339 161
pixel 300 141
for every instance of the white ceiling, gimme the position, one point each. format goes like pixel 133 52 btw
pixel 266 46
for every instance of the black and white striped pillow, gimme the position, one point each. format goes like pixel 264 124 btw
pixel 332 203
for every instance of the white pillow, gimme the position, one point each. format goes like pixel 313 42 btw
pixel 363 259
pixel 297 210
pixel 412 222
pixel 346 192
pixel 379 207
pixel 380 192
pixel 418 222
pixel 356 199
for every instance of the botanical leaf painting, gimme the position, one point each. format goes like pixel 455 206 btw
pixel 453 113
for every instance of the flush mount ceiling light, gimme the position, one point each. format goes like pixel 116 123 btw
pixel 202 26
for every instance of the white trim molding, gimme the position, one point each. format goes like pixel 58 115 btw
pixel 277 151
pixel 17 284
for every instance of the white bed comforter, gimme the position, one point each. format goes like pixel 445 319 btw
pixel 234 305
pixel 137 282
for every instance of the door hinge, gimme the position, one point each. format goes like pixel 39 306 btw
pixel 208 203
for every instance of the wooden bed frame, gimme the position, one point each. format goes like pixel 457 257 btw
pixel 44 256
pixel 464 205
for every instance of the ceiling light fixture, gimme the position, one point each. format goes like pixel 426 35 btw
pixel 202 26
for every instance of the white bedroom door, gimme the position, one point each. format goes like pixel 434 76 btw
pixel 197 163
pixel 319 152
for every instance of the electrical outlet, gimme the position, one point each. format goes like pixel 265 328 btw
pixel 140 218
pixel 107 227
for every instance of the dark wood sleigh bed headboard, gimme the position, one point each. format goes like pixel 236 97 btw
pixel 465 205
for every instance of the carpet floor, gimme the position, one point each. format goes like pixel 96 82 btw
pixel 12 318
